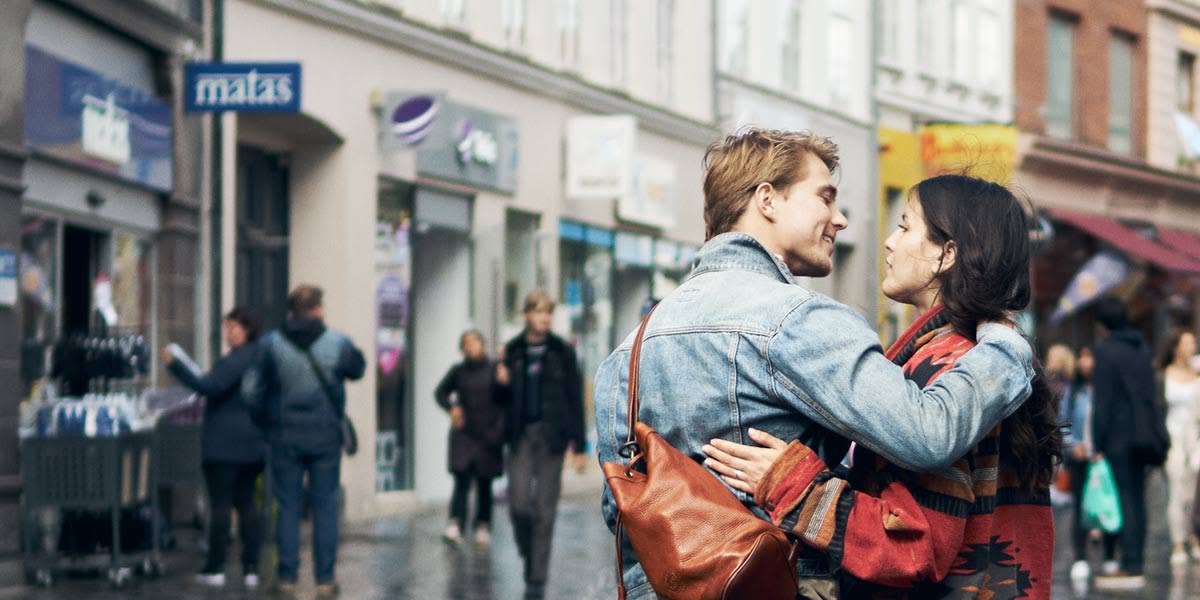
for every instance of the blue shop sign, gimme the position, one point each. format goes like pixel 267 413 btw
pixel 80 116
pixel 242 87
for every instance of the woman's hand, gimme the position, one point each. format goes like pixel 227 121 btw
pixel 741 466
pixel 457 420
pixel 167 357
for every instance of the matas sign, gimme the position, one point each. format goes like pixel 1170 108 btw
pixel 242 87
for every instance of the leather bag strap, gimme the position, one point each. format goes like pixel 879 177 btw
pixel 635 356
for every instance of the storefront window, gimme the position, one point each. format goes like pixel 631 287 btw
pixel 586 294
pixel 393 284
pixel 131 284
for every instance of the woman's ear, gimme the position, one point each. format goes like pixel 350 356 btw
pixel 949 254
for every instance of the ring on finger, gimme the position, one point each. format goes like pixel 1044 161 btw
pixel 737 474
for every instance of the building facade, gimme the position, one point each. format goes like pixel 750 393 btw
pixel 770 56
pixel 449 157
pixel 1096 104
pixel 100 177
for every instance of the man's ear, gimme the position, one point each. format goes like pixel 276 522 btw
pixel 763 200
pixel 949 255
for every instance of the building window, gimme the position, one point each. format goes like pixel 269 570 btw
pixel 666 49
pixel 454 12
pixel 889 31
pixel 989 50
pixel 791 46
pixel 927 19
pixel 841 59
pixel 961 41
pixel 620 70
pixel 734 35
pixel 1060 74
pixel 1185 83
pixel 1120 93
pixel 514 23
pixel 568 32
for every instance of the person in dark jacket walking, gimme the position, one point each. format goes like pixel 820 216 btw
pixel 469 393
pixel 1123 377
pixel 302 409
pixel 545 418
pixel 232 447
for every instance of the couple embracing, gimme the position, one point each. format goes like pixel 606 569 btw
pixel 944 492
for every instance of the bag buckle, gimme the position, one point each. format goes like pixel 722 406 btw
pixel 629 449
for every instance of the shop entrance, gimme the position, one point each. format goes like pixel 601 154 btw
pixel 85 254
pixel 262 234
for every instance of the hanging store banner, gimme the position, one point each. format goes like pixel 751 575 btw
pixel 985 151
pixel 652 199
pixel 600 156
pixel 1098 275
pixel 242 87
pixel 8 277
pixel 84 118
pixel 453 141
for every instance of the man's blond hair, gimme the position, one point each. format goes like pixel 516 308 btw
pixel 734 168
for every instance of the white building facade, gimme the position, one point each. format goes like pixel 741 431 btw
pixel 439 170
pixel 806 65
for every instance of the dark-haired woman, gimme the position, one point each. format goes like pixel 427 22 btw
pixel 233 448
pixel 469 393
pixel 980 528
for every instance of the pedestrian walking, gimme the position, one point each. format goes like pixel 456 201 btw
pixel 743 344
pixel 233 447
pixel 1181 392
pixel 1076 411
pixel 541 376
pixel 469 393
pixel 1124 384
pixel 297 387
pixel 978 528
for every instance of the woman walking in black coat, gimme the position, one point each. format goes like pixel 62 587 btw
pixel 233 450
pixel 469 393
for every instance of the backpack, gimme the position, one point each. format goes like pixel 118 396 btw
pixel 1150 441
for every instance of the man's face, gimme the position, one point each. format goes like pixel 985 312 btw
pixel 807 221
pixel 537 320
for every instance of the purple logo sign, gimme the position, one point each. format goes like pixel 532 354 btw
pixel 413 119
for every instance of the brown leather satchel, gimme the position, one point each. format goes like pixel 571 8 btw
pixel 693 537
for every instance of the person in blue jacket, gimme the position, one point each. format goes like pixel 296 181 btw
pixel 296 385
pixel 233 447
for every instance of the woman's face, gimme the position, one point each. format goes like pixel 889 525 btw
pixel 1186 348
pixel 235 334
pixel 913 262
pixel 472 347
pixel 1086 364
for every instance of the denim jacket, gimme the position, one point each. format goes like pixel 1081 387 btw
pixel 740 344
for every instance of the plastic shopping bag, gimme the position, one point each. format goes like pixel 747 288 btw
pixel 1101 502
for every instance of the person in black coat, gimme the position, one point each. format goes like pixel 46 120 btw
pixel 469 393
pixel 540 374
pixel 1123 377
pixel 233 447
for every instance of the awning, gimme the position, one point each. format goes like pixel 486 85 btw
pixel 1129 241
pixel 1187 243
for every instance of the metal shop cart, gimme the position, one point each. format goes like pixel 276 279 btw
pixel 101 474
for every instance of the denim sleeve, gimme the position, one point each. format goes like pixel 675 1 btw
pixel 827 362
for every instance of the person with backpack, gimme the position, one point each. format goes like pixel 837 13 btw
pixel 297 386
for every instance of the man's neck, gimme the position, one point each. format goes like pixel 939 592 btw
pixel 533 338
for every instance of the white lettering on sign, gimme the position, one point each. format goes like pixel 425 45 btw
pixel 480 147
pixel 243 89
pixel 105 129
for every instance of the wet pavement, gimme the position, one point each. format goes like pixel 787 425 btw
pixel 405 558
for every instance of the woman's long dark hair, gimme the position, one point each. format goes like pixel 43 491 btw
pixel 990 277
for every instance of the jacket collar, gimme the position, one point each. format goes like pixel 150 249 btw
pixel 736 251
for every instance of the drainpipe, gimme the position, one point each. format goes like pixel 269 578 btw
pixel 215 209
